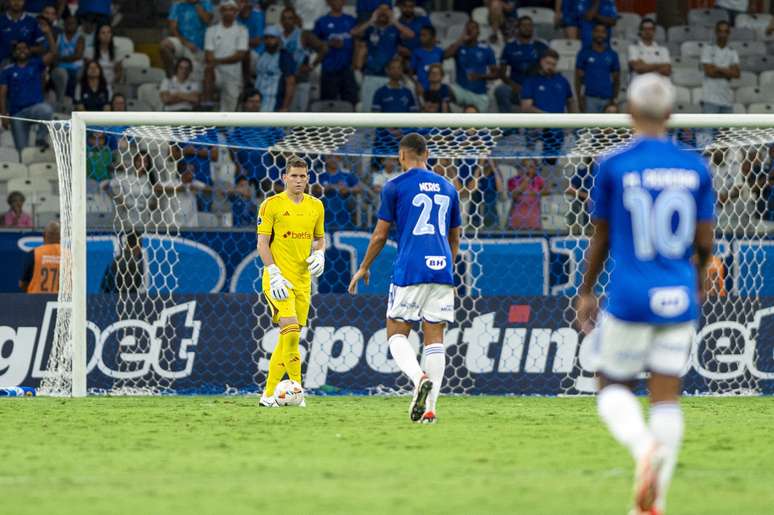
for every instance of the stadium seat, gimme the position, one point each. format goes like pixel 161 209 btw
pixel 31 155
pixel 135 60
pixel 351 10
pixel 687 108
pixel 766 79
pixel 149 95
pixel 442 20
pixel 761 108
pixel 43 218
pixel 9 154
pixel 754 95
pixel 99 203
pixel 691 48
pixel 331 106
pixel 566 64
pixel 133 104
pixel 92 186
pixel 99 220
pixel 739 109
pixel 12 170
pixel 538 14
pixel 745 79
pixel 481 15
pixel 273 13
pixel 420 11
pixel 547 31
pixel 686 62
pixel 209 220
pixel 756 63
pixel 706 17
pixel 756 22
pixel 687 77
pixel 627 22
pixel 660 37
pixel 743 34
pixel 6 140
pixel 682 95
pixel 566 47
pixel 135 76
pixel 46 203
pixel 696 95
pixel 621 46
pixel 30 186
pixel 745 48
pixel 123 45
pixel 680 33
pixel 453 32
pixel 45 170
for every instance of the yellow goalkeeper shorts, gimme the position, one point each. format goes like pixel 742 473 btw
pixel 296 305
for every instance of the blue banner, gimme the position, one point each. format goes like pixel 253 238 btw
pixel 210 343
pixel 226 261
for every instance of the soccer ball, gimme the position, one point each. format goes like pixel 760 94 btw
pixel 289 393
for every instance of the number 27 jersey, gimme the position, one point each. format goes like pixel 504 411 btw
pixel 652 194
pixel 423 206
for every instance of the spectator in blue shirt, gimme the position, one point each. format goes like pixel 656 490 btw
pixel 381 34
pixel 275 73
pixel 188 21
pixel 16 25
pixel 499 12
pixel 593 12
pixel 519 58
pixel 244 205
pixel 338 186
pixel 337 80
pixel 21 94
pixel 394 97
pixel 476 64
pixel 365 8
pixel 98 11
pixel 254 19
pixel 567 12
pixel 548 92
pixel 437 97
pixel 597 74
pixel 415 22
pixel 425 55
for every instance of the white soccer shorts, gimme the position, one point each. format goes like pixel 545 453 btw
pixel 625 349
pixel 431 302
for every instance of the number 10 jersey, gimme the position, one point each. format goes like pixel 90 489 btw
pixel 423 206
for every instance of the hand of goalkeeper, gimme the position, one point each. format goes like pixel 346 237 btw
pixel 278 284
pixel 316 263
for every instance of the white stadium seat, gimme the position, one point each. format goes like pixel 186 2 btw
pixel 31 155
pixel 688 108
pixel 123 45
pixel 29 186
pixel 706 17
pixel 685 62
pixel 682 95
pixel 757 22
pixel 754 95
pixel 566 47
pixel 538 14
pixel 149 95
pixel 744 48
pixel 46 203
pixel 756 63
pixel 12 170
pixel 691 48
pixel 135 76
pixel 739 109
pixel 761 108
pixel 680 33
pixel 453 32
pixel 696 95
pixel 628 21
pixel 45 170
pixel 135 59
pixel 9 154
pixel 743 34
pixel 442 20
pixel 480 15
pixel 766 79
pixel 687 77
pixel 745 79
pixel 273 13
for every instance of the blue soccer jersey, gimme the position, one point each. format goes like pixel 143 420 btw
pixel 423 206
pixel 652 194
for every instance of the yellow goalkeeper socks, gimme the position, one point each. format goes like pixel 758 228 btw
pixel 289 336
pixel 276 369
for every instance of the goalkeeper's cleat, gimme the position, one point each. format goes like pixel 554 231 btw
pixel 428 418
pixel 268 402
pixel 646 479
pixel 419 401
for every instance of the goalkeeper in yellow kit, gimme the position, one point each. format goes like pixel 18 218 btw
pixel 291 243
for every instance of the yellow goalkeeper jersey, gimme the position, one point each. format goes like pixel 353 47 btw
pixel 292 228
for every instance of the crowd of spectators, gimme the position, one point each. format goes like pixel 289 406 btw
pixel 389 56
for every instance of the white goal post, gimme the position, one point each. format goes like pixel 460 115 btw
pixel 81 121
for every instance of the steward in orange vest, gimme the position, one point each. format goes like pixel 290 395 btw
pixel 42 272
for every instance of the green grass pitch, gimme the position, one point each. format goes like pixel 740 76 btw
pixel 223 455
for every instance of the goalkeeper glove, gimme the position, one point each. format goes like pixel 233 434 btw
pixel 316 263
pixel 278 285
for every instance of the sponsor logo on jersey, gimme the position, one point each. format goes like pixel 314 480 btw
pixel 429 186
pixel 303 235
pixel 435 262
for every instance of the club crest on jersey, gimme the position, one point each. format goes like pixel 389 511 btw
pixel 435 262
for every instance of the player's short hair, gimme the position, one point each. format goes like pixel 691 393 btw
pixel 414 143
pixel 295 162
pixel 652 94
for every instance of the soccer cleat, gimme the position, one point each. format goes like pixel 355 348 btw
pixel 428 418
pixel 268 402
pixel 419 401
pixel 303 404
pixel 646 480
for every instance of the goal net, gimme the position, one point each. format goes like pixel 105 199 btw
pixel 160 283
